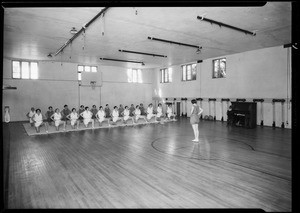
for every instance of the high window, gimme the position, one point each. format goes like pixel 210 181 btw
pixel 219 68
pixel 189 72
pixel 134 76
pixel 85 68
pixel 25 69
pixel 166 75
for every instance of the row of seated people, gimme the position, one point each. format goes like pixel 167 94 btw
pixel 87 116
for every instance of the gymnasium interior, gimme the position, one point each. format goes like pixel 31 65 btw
pixel 221 56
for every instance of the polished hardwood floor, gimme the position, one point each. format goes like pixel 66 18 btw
pixel 150 166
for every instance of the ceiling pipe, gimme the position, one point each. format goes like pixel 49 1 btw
pixel 151 54
pixel 110 59
pixel 80 31
pixel 174 42
pixel 202 18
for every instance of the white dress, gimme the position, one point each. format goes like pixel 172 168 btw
pixel 149 113
pixel 87 115
pixel 169 112
pixel 74 117
pixel 115 115
pixel 57 117
pixel 38 120
pixel 137 113
pixel 101 114
pixel 31 114
pixel 126 114
pixel 159 112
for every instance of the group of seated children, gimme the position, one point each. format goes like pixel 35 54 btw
pixel 86 116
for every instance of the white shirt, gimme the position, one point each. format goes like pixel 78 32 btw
pixel 150 110
pixel 87 115
pixel 137 112
pixel 115 113
pixel 74 116
pixel 57 116
pixel 101 113
pixel 38 118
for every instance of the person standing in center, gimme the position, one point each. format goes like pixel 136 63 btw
pixel 194 119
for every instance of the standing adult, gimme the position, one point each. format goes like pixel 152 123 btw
pixel 194 119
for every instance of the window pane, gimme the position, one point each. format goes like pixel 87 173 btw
pixel 79 76
pixel 170 74
pixel 184 72
pixel 140 76
pixel 189 72
pixel 223 67
pixel 134 75
pixel 162 76
pixel 216 68
pixel 94 69
pixel 80 68
pixel 25 70
pixel 194 71
pixel 34 70
pixel 166 75
pixel 16 69
pixel 87 68
pixel 129 75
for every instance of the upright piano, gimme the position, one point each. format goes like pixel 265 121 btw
pixel 244 114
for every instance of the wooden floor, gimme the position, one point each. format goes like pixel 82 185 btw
pixel 151 166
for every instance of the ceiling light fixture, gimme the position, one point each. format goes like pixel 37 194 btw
pixel 119 60
pixel 174 42
pixel 73 30
pixel 201 18
pixel 151 54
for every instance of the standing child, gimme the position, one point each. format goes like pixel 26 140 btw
pixel 194 119
pixel 30 114
pixel 38 121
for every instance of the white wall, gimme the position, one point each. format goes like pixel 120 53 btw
pixel 58 85
pixel 254 74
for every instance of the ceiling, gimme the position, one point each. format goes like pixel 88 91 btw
pixel 33 33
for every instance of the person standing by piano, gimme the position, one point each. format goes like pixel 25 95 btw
pixel 194 119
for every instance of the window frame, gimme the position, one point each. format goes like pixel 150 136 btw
pixel 184 74
pixel 219 68
pixel 135 75
pixel 84 70
pixel 20 70
pixel 165 76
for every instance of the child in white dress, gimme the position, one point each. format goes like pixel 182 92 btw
pixel 137 114
pixel 126 115
pixel 87 117
pixel 101 116
pixel 30 114
pixel 56 117
pixel 115 115
pixel 74 118
pixel 38 121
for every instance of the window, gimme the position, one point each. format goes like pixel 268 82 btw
pixel 219 68
pixel 85 68
pixel 79 76
pixel 134 76
pixel 24 70
pixel 166 75
pixel 189 72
